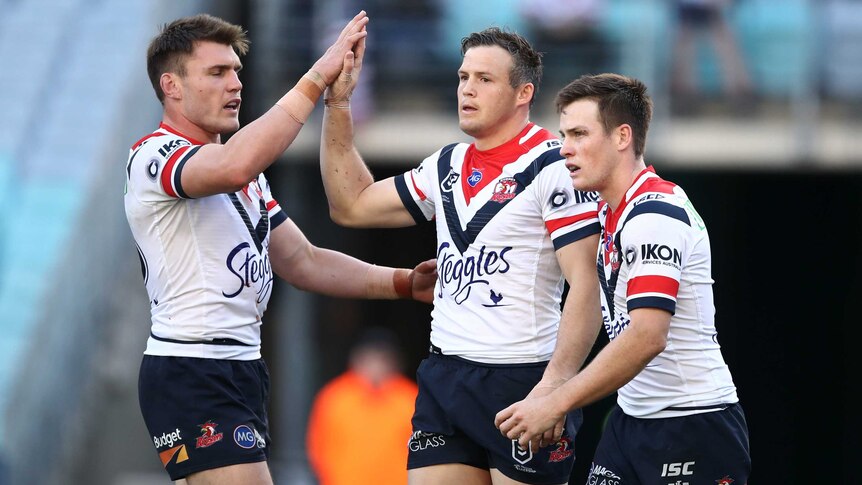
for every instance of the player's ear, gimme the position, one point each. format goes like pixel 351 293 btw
pixel 171 85
pixel 624 136
pixel 525 93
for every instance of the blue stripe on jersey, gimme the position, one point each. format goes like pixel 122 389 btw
pixel 659 207
pixel 277 219
pixel 179 170
pixel 407 199
pixel 132 159
pixel 652 302
pixel 576 235
pixel 463 239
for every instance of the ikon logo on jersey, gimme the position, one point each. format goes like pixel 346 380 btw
pixel 660 254
pixel 171 146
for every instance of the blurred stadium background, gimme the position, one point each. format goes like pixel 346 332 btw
pixel 776 174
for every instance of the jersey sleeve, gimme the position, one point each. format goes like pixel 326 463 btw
pixel 656 240
pixel 276 214
pixel 416 189
pixel 570 215
pixel 155 168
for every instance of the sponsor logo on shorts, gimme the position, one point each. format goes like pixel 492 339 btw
pixel 521 455
pixel 208 436
pixel 247 437
pixel 600 475
pixel 178 451
pixel 421 440
pixel 725 481
pixel 167 439
pixel 563 450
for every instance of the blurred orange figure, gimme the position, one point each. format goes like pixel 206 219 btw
pixel 360 421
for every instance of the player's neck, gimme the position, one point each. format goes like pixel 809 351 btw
pixel 188 128
pixel 621 181
pixel 501 134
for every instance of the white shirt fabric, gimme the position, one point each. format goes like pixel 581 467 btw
pixel 654 253
pixel 206 271
pixel 500 216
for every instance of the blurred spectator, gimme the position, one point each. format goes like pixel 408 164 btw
pixel 360 421
pixel 696 19
pixel 569 34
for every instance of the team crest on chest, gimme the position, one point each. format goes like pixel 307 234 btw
pixel 505 189
pixel 611 253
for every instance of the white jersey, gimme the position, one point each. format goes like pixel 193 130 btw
pixel 205 261
pixel 500 216
pixel 655 253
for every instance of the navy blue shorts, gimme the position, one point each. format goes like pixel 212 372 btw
pixel 204 413
pixel 454 420
pixel 701 449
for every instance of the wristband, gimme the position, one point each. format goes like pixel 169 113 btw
pixel 402 280
pixel 311 85
pixel 336 104
pixel 297 105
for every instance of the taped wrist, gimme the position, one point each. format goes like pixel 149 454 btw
pixel 402 280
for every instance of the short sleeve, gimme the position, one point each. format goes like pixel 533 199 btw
pixel 656 241
pixel 416 189
pixel 570 215
pixel 155 168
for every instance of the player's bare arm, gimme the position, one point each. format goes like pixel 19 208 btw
pixel 355 199
pixel 226 168
pixel 579 326
pixel 618 363
pixel 331 273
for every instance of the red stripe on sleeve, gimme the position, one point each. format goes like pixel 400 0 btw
pixel 418 192
pixel 555 224
pixel 168 171
pixel 271 204
pixel 653 284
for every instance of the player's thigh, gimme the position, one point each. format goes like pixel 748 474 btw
pixel 244 473
pixel 448 473
pixel 497 478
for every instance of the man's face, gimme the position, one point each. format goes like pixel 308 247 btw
pixel 590 152
pixel 485 96
pixel 211 88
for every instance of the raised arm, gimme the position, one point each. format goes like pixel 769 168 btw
pixel 217 168
pixel 331 273
pixel 355 199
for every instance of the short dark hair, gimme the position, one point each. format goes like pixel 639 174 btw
pixel 621 100
pixel 526 61
pixel 176 41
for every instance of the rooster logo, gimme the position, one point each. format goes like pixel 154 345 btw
pixel 496 298
pixel 208 435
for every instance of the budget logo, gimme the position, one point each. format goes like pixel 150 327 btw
pixel 178 451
